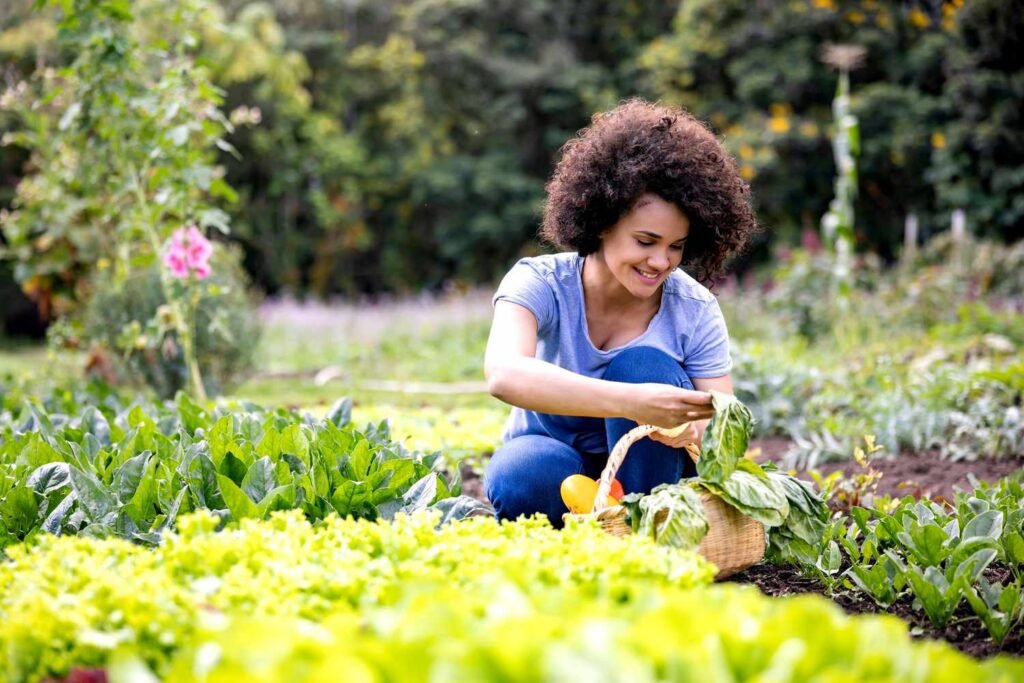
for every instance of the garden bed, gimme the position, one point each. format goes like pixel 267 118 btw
pixel 924 474
pixel 965 632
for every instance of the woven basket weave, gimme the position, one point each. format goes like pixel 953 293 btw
pixel 733 542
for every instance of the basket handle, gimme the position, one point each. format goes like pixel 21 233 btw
pixel 618 454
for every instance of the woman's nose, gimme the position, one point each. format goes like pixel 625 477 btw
pixel 659 261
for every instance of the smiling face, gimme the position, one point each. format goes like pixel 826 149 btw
pixel 643 248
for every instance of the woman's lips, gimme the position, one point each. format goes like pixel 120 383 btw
pixel 646 278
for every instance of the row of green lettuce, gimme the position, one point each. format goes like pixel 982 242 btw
pixel 129 470
pixel 962 558
pixel 403 600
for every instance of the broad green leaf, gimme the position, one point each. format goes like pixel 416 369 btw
pixel 93 497
pixel 260 479
pixel 55 520
pixel 202 482
pixel 988 524
pixel 20 510
pixel 128 476
pixel 673 515
pixel 239 504
pixel 294 441
pixel 340 412
pixel 48 477
pixel 232 467
pixel 421 494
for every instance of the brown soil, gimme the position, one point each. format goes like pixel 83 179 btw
pixel 964 631
pixel 918 474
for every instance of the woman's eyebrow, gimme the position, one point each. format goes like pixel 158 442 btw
pixel 655 235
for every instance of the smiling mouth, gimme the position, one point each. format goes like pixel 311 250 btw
pixel 645 275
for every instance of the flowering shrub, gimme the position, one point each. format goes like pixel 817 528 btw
pixel 132 324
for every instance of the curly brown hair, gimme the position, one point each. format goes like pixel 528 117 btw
pixel 639 148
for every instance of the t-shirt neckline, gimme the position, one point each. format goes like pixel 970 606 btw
pixel 583 313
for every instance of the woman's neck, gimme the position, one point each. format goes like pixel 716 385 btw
pixel 605 294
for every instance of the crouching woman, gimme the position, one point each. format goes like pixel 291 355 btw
pixel 611 333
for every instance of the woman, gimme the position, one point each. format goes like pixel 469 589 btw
pixel 588 343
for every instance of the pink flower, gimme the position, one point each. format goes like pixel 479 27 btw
pixel 188 252
pixel 177 261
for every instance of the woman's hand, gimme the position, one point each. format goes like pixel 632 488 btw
pixel 668 406
pixel 688 436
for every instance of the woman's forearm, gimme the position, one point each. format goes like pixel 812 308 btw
pixel 540 386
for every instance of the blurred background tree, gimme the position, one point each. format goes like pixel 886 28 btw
pixel 402 145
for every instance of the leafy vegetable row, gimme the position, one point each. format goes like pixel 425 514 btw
pixel 116 596
pixel 131 471
pixel 937 555
pixel 283 600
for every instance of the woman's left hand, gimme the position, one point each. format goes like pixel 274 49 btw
pixel 688 436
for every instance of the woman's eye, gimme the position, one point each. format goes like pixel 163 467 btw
pixel 644 244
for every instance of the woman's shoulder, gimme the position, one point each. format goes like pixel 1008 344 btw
pixel 682 285
pixel 552 266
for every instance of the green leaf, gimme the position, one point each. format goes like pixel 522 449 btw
pixel 421 494
pixel 294 442
pixel 48 477
pixel 142 506
pixel 94 498
pixel 340 412
pixel 20 510
pixel 55 520
pixel 937 596
pixel 202 482
pixel 239 504
pixel 260 479
pixel 988 524
pixel 673 515
pixel 232 467
pixel 129 474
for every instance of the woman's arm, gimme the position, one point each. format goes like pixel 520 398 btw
pixel 515 376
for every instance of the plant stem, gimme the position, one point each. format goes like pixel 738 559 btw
pixel 182 322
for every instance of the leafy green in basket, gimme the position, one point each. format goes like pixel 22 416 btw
pixel 672 514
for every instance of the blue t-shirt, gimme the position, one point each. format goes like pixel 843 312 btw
pixel 688 327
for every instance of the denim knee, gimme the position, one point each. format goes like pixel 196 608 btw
pixel 640 364
pixel 524 477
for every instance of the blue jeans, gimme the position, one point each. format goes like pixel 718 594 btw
pixel 525 474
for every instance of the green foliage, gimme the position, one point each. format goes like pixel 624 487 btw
pixel 934 98
pixel 161 605
pixel 130 470
pixel 225 320
pixel 932 553
pixel 123 140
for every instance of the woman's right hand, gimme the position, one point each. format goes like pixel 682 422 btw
pixel 665 405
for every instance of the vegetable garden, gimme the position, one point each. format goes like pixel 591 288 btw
pixel 198 486
pixel 148 540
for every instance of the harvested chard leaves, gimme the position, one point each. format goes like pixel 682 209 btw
pixel 725 439
pixel 756 496
pixel 798 538
pixel 683 524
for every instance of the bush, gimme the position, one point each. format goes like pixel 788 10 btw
pixel 227 330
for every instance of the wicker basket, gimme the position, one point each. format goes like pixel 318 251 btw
pixel 733 542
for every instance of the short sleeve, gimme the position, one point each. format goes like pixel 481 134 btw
pixel 707 354
pixel 524 285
